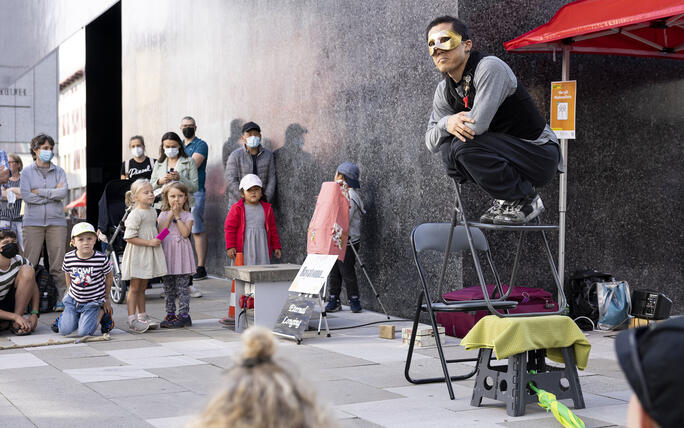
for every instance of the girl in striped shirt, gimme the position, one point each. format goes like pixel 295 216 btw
pixel 89 279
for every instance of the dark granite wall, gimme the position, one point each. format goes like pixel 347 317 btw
pixel 330 81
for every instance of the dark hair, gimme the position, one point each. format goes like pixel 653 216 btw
pixel 456 24
pixel 263 194
pixel 38 141
pixel 7 233
pixel 137 137
pixel 171 136
pixel 189 118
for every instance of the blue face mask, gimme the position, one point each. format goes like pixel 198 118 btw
pixel 46 155
pixel 253 142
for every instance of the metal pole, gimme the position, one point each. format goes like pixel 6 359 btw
pixel 563 190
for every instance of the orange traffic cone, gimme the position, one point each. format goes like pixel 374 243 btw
pixel 239 261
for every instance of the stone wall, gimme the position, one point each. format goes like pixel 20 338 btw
pixel 330 81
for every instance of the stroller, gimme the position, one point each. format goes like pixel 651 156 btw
pixel 112 216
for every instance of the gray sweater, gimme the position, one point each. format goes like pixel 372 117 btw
pixel 240 164
pixel 47 207
pixel 494 81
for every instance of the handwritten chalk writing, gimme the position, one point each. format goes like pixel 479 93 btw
pixel 291 322
pixel 297 310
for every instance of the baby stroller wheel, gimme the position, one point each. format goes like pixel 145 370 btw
pixel 118 291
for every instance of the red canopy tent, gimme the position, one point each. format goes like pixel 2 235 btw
pixel 78 202
pixel 645 28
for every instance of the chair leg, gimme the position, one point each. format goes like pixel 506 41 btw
pixel 409 358
pixel 440 351
pixel 412 342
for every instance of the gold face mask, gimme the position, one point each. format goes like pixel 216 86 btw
pixel 445 40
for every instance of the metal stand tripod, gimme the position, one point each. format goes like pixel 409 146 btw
pixel 363 268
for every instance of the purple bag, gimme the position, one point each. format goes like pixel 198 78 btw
pixel 529 299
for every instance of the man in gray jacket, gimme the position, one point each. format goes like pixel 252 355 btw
pixel 251 158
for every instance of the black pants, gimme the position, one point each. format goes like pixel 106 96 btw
pixel 502 165
pixel 344 272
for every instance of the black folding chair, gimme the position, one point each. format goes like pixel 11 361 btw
pixel 445 238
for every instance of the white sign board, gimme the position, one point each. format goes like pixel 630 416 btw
pixel 313 273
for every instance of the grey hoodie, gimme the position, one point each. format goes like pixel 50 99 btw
pixel 47 207
pixel 355 211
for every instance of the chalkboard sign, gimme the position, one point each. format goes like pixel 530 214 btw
pixel 294 318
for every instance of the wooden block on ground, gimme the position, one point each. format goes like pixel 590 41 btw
pixel 424 336
pixel 386 331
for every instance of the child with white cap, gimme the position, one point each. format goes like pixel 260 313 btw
pixel 89 280
pixel 250 225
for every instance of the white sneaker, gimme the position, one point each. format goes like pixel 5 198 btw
pixel 194 292
pixel 137 326
pixel 150 322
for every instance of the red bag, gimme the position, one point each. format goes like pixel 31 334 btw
pixel 529 299
pixel 329 226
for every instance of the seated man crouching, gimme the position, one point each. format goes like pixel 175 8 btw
pixel 18 287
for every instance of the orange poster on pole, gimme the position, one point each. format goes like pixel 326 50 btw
pixel 563 108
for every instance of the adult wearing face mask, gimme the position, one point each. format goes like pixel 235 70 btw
pixel 252 158
pixel 43 187
pixel 174 165
pixel 198 150
pixel 140 165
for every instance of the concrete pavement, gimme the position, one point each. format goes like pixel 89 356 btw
pixel 161 378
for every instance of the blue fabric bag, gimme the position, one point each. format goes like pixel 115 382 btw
pixel 614 303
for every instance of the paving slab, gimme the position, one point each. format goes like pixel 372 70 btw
pixel 104 374
pixel 205 379
pixel 163 405
pixel 134 387
pixel 345 391
pixel 136 380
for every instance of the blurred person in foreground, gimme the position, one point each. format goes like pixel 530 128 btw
pixel 259 392
pixel 650 358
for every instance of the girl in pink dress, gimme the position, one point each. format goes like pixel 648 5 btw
pixel 180 260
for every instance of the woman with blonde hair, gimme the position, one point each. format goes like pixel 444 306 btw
pixel 260 393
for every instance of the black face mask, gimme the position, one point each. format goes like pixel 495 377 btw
pixel 10 250
pixel 189 132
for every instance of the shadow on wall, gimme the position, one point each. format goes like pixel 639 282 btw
pixel 233 140
pixel 295 169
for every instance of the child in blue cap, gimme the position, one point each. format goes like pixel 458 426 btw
pixel 348 174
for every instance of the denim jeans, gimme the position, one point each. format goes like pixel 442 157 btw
pixel 81 316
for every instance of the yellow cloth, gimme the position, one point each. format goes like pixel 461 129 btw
pixel 511 336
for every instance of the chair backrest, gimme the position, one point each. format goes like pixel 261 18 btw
pixel 434 236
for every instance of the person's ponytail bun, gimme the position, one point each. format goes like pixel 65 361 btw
pixel 259 346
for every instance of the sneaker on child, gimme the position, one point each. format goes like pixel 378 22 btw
pixel 521 211
pixel 137 326
pixel 355 304
pixel 55 325
pixel 168 321
pixel 146 319
pixel 334 304
pixel 194 292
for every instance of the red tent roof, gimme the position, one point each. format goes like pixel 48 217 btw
pixel 647 28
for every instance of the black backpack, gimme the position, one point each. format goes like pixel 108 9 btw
pixel 582 296
pixel 46 289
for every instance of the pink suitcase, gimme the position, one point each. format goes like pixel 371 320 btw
pixel 529 299
pixel 329 227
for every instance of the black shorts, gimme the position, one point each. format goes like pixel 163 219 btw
pixel 7 304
